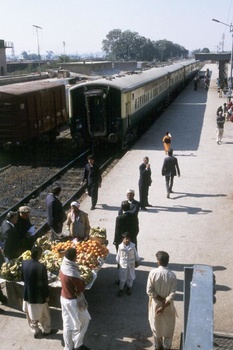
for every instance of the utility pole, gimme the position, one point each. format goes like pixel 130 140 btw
pixel 38 45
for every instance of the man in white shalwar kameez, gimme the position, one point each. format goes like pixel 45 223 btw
pixel 74 306
pixel 161 289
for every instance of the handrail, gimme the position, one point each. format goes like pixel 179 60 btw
pixel 198 308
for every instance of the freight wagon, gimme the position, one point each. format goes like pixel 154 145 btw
pixel 29 110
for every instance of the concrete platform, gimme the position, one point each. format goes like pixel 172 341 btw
pixel 194 226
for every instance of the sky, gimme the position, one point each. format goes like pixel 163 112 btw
pixel 80 26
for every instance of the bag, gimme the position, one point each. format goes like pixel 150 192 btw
pixel 82 303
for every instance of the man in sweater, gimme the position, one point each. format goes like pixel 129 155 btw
pixel 73 303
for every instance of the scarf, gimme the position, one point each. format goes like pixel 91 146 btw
pixel 70 268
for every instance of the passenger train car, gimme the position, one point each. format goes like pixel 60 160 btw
pixel 114 110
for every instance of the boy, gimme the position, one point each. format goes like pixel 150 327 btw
pixel 127 258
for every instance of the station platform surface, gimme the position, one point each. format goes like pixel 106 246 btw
pixel 194 226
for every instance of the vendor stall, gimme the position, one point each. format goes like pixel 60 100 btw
pixel 91 255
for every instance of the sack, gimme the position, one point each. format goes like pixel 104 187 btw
pixel 82 303
pixel 231 118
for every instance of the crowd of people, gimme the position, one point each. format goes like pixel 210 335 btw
pixel 18 235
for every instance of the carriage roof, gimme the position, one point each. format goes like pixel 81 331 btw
pixel 130 81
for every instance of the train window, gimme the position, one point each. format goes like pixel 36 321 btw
pixel 136 104
pixel 22 106
pixel 132 97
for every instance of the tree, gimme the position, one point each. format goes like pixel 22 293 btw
pixel 205 50
pixel 127 45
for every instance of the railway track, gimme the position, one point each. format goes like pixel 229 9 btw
pixel 68 177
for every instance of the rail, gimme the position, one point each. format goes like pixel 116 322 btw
pixel 198 308
pixel 44 185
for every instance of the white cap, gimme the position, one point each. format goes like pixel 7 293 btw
pixel 75 204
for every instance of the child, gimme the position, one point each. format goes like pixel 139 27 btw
pixel 127 258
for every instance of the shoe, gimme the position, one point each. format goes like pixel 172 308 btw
pixel 120 292
pixel 84 347
pixel 2 311
pixel 149 205
pixel 143 208
pixel 128 291
pixel 53 331
pixel 171 191
pixel 117 282
pixel 37 335
pixel 168 195
pixel 4 299
pixel 92 208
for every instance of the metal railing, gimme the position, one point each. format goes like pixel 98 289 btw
pixel 198 308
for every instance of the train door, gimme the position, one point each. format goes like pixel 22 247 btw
pixel 96 113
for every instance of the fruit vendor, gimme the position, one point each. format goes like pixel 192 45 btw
pixel 77 222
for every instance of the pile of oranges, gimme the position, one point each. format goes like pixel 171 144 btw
pixel 89 252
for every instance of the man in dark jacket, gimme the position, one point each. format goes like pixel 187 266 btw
pixel 169 170
pixel 25 228
pixel 55 213
pixel 93 179
pixel 144 183
pixel 36 294
pixel 125 223
pixel 12 243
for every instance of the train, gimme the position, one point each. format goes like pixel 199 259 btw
pixel 30 110
pixel 114 110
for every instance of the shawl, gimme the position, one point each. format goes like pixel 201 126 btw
pixel 70 268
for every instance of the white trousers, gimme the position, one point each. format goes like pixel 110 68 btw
pixel 75 323
pixel 37 314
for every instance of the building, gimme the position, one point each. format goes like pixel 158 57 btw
pixel 3 46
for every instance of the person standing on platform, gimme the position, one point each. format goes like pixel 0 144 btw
pixel 11 241
pixel 93 179
pixel 134 205
pixel 220 127
pixel 55 213
pixel 24 227
pixel 127 259
pixel 169 170
pixel 75 315
pixel 36 294
pixel 167 139
pixel 125 223
pixel 78 223
pixel 144 183
pixel 161 289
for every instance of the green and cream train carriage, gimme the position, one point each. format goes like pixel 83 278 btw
pixel 115 109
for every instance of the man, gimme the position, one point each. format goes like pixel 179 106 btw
pixel 93 179
pixel 75 315
pixel 144 183
pixel 55 213
pixel 134 205
pixel 12 243
pixel 25 228
pixel 169 170
pixel 78 223
pixel 161 289
pixel 36 294
pixel 220 127
pixel 125 223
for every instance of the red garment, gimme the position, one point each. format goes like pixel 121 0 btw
pixel 71 286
